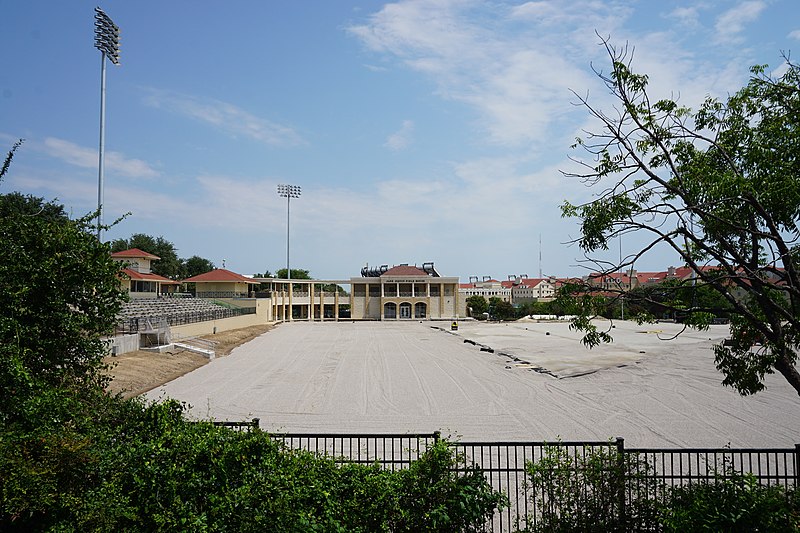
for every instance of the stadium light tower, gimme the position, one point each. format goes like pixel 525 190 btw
pixel 288 192
pixel 106 39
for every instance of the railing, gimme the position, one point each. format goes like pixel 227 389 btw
pixel 504 465
pixel 240 425
pixel 221 294
pixel 139 324
pixel 391 451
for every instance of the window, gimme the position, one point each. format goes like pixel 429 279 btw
pixel 435 290
pixel 374 290
pixel 143 286
pixel 420 310
pixel 390 310
pixel 405 310
pixel 359 290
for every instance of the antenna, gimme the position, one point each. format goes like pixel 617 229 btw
pixel 540 256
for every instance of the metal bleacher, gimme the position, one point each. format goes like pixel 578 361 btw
pixel 139 315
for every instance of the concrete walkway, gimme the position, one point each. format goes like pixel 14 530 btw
pixel 539 383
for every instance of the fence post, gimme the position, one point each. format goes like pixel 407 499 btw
pixel 256 422
pixel 621 481
pixel 796 466
pixel 437 436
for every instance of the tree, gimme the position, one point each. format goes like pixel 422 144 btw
pixel 477 305
pixel 297 273
pixel 499 309
pixel 168 264
pixel 720 187
pixel 502 310
pixel 59 292
pixel 194 266
pixel 673 298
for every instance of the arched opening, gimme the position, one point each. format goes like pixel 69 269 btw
pixel 389 310
pixel 405 310
pixel 420 310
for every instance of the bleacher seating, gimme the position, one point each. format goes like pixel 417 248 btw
pixel 136 313
pixel 160 307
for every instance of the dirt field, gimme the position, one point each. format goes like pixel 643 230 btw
pixel 137 372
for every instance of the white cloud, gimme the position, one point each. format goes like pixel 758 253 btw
pixel 731 23
pixel 401 139
pixel 227 117
pixel 687 16
pixel 513 66
pixel 795 35
pixel 83 157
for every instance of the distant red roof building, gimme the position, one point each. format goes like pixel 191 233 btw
pixel 147 276
pixel 405 270
pixel 220 275
pixel 134 253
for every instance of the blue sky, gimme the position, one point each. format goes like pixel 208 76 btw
pixel 418 130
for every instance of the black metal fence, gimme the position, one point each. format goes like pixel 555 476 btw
pixel 142 323
pixel 391 451
pixel 647 471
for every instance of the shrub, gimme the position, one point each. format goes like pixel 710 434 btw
pixel 595 491
pixel 731 502
pixel 439 492
pixel 99 463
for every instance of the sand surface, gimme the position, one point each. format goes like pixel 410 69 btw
pixel 420 377
pixel 135 373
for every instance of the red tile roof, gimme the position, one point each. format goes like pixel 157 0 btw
pixel 220 274
pixel 405 270
pixel 134 275
pixel 134 253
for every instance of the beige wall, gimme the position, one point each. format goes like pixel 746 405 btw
pixel 222 286
pixel 207 328
pixel 442 306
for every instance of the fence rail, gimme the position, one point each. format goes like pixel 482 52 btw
pixel 504 464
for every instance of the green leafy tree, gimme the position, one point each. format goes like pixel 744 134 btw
pixel 720 187
pixel 195 265
pixel 477 305
pixel 297 273
pixel 504 310
pixel 673 298
pixel 59 292
pixel 169 264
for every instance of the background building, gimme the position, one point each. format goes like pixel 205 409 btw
pixel 404 292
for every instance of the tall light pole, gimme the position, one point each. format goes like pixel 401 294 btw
pixel 288 192
pixel 106 39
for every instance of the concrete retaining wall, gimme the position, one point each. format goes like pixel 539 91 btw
pixel 217 326
pixel 123 344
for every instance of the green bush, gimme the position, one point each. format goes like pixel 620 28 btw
pixel 433 496
pixel 98 463
pixel 733 502
pixel 594 491
pixel 597 491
